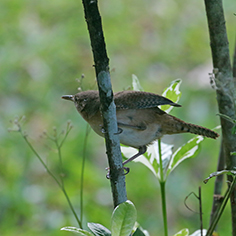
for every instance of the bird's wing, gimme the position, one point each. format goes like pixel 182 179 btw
pixel 140 100
pixel 140 126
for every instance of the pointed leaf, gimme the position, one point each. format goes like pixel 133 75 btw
pixel 99 230
pixel 183 232
pixel 78 231
pixel 123 219
pixel 221 172
pixel 140 232
pixel 135 84
pixel 188 150
pixel 198 233
pixel 173 93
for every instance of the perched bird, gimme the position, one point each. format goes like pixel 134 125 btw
pixel 139 120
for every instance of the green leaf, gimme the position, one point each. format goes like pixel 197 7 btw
pixel 78 231
pixel 183 232
pixel 123 219
pixel 140 232
pixel 151 158
pixel 233 121
pixel 135 84
pixel 188 150
pixel 173 93
pixel 198 233
pixel 170 161
pixel 221 172
pixel 99 230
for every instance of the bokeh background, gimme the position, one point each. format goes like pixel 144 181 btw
pixel 44 50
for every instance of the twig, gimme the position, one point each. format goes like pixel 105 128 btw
pixel 117 178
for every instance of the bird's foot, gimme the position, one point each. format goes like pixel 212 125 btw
pixel 108 173
pixel 126 171
pixel 119 131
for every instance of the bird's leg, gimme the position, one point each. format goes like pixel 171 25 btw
pixel 141 151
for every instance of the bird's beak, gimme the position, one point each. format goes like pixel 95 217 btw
pixel 68 97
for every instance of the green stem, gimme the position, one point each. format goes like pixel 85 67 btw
pixel 163 191
pixel 160 161
pixel 82 173
pixel 163 203
pixel 60 161
pixel 72 208
pixel 62 176
pixel 61 185
pixel 220 211
pixel 41 160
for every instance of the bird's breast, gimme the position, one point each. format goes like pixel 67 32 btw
pixel 138 138
pixel 138 127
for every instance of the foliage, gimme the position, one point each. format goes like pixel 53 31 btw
pixel 170 160
pixel 122 223
pixel 159 157
pixel 44 48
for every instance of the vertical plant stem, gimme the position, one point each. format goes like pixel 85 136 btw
pixel 234 62
pixel 72 208
pixel 200 208
pixel 61 175
pixel 160 161
pixel 218 185
pixel 221 208
pixel 163 191
pixel 82 174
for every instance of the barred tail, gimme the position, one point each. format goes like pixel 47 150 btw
pixel 196 129
pixel 183 127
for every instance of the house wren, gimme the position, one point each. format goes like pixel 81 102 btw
pixel 139 119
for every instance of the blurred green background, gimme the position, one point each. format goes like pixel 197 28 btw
pixel 44 48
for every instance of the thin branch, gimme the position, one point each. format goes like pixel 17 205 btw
pixel 82 173
pixel 200 208
pixel 225 86
pixel 234 62
pixel 53 138
pixel 108 109
pixel 222 206
pixel 218 185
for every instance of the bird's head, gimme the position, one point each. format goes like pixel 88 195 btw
pixel 85 102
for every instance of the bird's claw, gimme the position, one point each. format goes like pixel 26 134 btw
pixel 108 173
pixel 119 131
pixel 103 130
pixel 127 169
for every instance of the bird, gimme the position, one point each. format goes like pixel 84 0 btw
pixel 140 121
